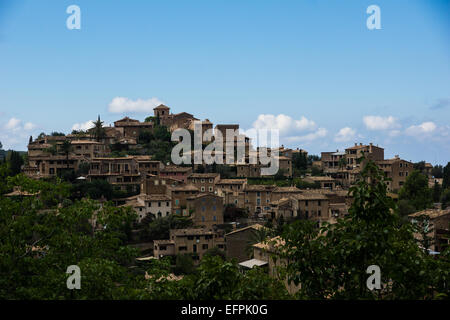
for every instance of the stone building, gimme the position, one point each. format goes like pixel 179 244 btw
pixel 435 223
pixel 397 170
pixel 189 241
pixel 205 182
pixel 130 128
pixel 238 242
pixel 206 210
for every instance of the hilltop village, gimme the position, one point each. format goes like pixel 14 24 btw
pixel 223 206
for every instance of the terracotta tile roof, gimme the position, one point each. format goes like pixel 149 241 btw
pixel 201 195
pixel 270 244
pixel 186 187
pixel 161 106
pixel 156 197
pixel 318 178
pixel 287 189
pixel 258 187
pixel 164 241
pixel 232 181
pixel 204 175
pixel 191 232
pixel 432 213
pixel 176 169
pixel 311 196
pixel 84 142
pixel 253 226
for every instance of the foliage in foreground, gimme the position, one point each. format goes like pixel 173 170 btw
pixel 332 262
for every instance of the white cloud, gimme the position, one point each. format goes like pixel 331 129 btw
pixel 320 133
pixel 83 126
pixel 394 133
pixel 14 134
pixel 13 124
pixel 285 124
pixel 29 126
pixel 421 129
pixel 380 123
pixel 345 134
pixel 123 104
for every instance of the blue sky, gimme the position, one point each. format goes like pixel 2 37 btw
pixel 308 67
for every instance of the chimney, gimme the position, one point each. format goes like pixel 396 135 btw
pixel 356 144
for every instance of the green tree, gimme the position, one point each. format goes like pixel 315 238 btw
pixel 446 176
pixel 416 191
pixel 299 161
pixel 41 239
pixel 99 131
pixel 419 166
pixel 437 190
pixel 219 280
pixel 445 198
pixel 184 264
pixel 331 262
pixel 66 148
pixel 437 171
pixel 15 162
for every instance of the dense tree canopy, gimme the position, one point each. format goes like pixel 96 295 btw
pixel 416 191
pixel 331 262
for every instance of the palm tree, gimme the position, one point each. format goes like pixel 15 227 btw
pixel 66 147
pixel 99 131
pixel 342 163
pixel 258 235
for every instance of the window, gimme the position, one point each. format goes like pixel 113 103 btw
pixel 306 203
pixel 183 248
pixel 214 218
pixel 177 202
pixel 319 213
pixel 203 189
pixel 205 247
pixel 210 189
pixel 203 209
pixel 214 208
pixel 210 180
pixel 203 218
